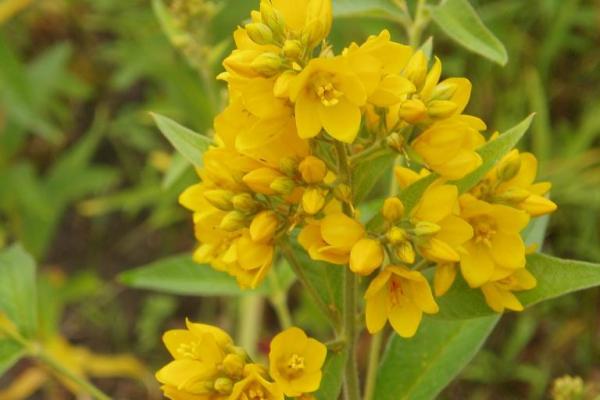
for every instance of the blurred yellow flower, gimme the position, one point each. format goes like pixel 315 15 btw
pixel 498 292
pixel 295 362
pixel 255 386
pixel 401 296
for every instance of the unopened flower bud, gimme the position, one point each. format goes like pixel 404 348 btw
pixel 244 202
pixel 536 205
pixel 313 200
pixel 514 195
pixel 444 91
pixel 223 385
pixel 441 108
pixel 313 170
pixel 283 185
pixel 233 221
pixel 220 199
pixel 366 256
pixel 288 165
pixel 233 365
pixel 260 180
pixel 416 69
pixel 264 226
pixel 396 235
pixel 272 18
pixel 259 33
pixel 412 111
pixel 267 64
pixel 292 49
pixel 343 193
pixel 405 252
pixel 395 141
pixel 440 251
pixel 393 209
pixel 425 228
pixel 509 168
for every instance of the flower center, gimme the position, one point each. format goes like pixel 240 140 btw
pixel 256 394
pixel 484 230
pixel 327 92
pixel 295 364
pixel 396 291
pixel 191 350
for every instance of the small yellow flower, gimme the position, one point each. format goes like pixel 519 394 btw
pixel 313 170
pixel 366 256
pixel 328 95
pixel 496 242
pixel 255 386
pixel 401 296
pixel 263 227
pixel 449 146
pixel 313 200
pixel 332 238
pixel 498 292
pixel 295 362
pixel 393 209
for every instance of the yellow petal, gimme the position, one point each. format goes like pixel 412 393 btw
pixel 405 319
pixel 376 312
pixel 307 121
pixel 341 230
pixel 508 250
pixel 444 277
pixel 366 256
pixel 341 121
pixel 476 265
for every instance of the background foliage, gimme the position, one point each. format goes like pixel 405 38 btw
pixel 89 186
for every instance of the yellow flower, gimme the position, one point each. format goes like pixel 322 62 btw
pixel 498 292
pixel 332 238
pixel 263 227
pixel 255 387
pixel 295 362
pixel 328 95
pixel 449 146
pixel 366 256
pixel 512 182
pixel 313 200
pixel 199 352
pixel 401 296
pixel 440 232
pixel 496 242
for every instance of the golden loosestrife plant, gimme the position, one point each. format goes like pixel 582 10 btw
pixel 286 176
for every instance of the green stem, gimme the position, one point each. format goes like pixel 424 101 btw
pixel 288 253
pixel 251 315
pixel 279 301
pixel 420 22
pixel 72 376
pixel 374 354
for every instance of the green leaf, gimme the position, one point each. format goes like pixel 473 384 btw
pixel 190 144
pixel 181 275
pixel 18 297
pixel 333 376
pixel 10 353
pixel 369 172
pixel 493 151
pixel 459 20
pixel 555 276
pixel 366 8
pixel 420 367
pixel 167 23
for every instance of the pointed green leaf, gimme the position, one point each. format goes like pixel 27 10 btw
pixel 333 374
pixel 369 172
pixel 420 367
pixel 366 8
pixel 18 298
pixel 459 20
pixel 493 151
pixel 10 353
pixel 190 144
pixel 181 275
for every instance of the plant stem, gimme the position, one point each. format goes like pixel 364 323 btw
pixel 419 24
pixel 279 301
pixel 251 314
pixel 88 387
pixel 374 354
pixel 351 379
pixel 288 253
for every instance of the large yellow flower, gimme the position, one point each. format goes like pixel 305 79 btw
pixel 255 386
pixel 496 244
pixel 401 296
pixel 295 362
pixel 199 353
pixel 498 292
pixel 449 146
pixel 328 95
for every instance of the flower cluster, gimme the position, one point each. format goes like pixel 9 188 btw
pixel 208 366
pixel 301 120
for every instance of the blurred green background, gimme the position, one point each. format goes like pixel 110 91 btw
pixel 90 187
